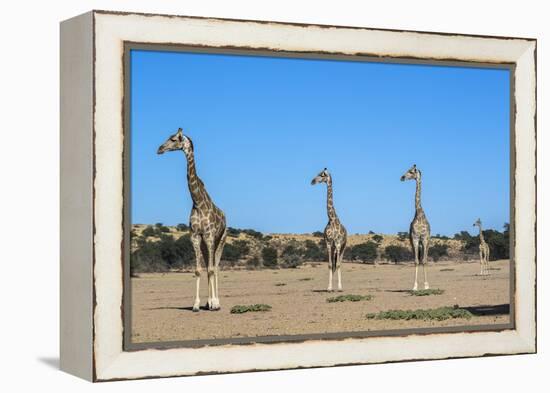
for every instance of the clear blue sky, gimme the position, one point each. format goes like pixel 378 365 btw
pixel 264 127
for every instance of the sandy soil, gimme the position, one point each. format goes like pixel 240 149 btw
pixel 161 302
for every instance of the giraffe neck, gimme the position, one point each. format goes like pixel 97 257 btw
pixel 417 204
pixel 331 212
pixel 196 187
pixel 481 238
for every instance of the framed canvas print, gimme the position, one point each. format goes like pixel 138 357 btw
pixel 245 195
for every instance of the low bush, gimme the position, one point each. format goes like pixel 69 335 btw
pixel 427 292
pixel 269 256
pixel 349 298
pixel 241 309
pixel 438 314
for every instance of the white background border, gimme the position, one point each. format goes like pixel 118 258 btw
pixel 30 199
pixel 111 30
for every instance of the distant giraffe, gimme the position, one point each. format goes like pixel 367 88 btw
pixel 420 227
pixel 207 222
pixel 483 250
pixel 335 233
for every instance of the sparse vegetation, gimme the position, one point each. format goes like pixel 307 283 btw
pixel 269 257
pixel 364 252
pixel 437 251
pixel 241 309
pixel 313 251
pixel 438 314
pixel 148 231
pixel 403 235
pixel 292 256
pixel 397 253
pixel 499 242
pixel 235 251
pixel 305 279
pixel 447 270
pixel 182 227
pixel 427 292
pixel 253 263
pixel 378 238
pixel 349 298
pixel 280 284
pixel 158 248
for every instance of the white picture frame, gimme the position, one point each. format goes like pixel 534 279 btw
pixel 92 193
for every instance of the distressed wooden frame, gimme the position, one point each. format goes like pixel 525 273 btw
pixel 92 192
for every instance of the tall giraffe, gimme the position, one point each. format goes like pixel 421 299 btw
pixel 335 233
pixel 208 229
pixel 420 227
pixel 483 250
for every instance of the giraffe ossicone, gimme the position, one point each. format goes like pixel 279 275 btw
pixel 207 222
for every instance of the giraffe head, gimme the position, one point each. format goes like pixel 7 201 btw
pixel 412 174
pixel 477 223
pixel 322 177
pixel 178 141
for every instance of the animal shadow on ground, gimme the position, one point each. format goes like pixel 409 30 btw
pixel 190 308
pixel 497 309
pixel 322 291
pixel 399 290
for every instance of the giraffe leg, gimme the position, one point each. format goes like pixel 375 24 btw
pixel 338 256
pixel 196 241
pixel 425 246
pixel 329 248
pixel 416 251
pixel 210 270
pixel 487 259
pixel 217 258
pixel 481 263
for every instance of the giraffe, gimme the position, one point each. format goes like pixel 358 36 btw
pixel 420 227
pixel 483 250
pixel 207 222
pixel 335 233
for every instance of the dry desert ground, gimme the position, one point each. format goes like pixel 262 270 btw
pixel 161 302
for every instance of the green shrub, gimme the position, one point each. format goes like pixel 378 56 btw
pixel 253 233
pixel 364 252
pixel 349 298
pixel 499 242
pixel 436 251
pixel 182 227
pixel 318 234
pixel 292 256
pixel 269 256
pixel 241 309
pixel 149 231
pixel 397 253
pixel 313 252
pixel 233 232
pixel 378 238
pixel 253 263
pixel 427 292
pixel 403 235
pixel 162 255
pixel 232 252
pixel 438 314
